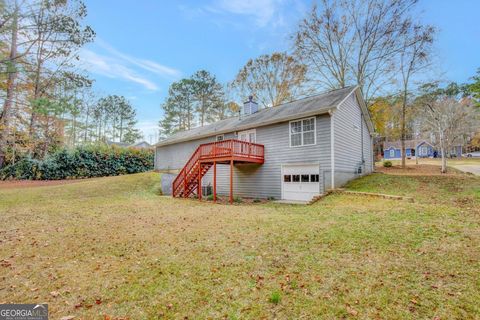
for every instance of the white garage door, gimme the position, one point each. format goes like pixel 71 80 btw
pixel 300 182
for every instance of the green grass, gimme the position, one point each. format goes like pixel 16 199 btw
pixel 113 247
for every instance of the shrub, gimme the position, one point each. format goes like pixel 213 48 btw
pixel 25 169
pixel 387 164
pixel 210 197
pixel 237 200
pixel 81 162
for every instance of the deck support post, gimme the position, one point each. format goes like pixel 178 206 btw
pixel 184 185
pixel 214 181
pixel 231 181
pixel 199 181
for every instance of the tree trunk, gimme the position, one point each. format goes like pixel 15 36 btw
pixel 403 129
pixel 444 156
pixel 12 76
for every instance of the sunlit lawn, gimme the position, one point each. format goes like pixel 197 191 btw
pixel 112 247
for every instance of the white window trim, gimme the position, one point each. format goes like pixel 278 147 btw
pixel 247 132
pixel 423 150
pixel 314 132
pixel 392 155
pixel 218 136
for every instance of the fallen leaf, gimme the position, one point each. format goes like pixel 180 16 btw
pixel 352 311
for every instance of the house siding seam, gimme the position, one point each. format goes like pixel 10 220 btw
pixel 348 127
pixel 253 180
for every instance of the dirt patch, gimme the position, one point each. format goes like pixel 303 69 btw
pixel 416 170
pixel 236 200
pixel 33 183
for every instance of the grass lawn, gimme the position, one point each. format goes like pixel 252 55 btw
pixel 111 248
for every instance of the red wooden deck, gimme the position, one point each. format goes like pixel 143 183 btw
pixel 210 154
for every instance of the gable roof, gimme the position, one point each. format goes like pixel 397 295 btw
pixel 139 143
pixel 314 105
pixel 409 144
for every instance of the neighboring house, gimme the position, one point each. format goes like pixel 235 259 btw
pixel 293 151
pixel 420 148
pixel 141 145
pixel 137 145
pixel 118 144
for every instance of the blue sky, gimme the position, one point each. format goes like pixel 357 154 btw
pixel 144 45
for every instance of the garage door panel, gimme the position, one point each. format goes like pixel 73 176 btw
pixel 300 182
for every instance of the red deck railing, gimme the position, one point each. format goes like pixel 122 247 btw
pixel 236 150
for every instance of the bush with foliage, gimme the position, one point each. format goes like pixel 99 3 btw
pixel 81 162
pixel 387 164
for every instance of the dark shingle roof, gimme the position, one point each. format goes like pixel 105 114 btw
pixel 409 144
pixel 313 105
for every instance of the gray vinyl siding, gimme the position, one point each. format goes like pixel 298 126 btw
pixel 174 156
pixel 262 181
pixel 254 180
pixel 348 128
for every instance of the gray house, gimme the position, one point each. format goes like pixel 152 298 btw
pixel 293 151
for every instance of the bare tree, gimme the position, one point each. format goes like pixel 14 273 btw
pixel 416 44
pixel 346 42
pixel 273 79
pixel 450 120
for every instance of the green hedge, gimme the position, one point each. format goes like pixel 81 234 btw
pixel 82 162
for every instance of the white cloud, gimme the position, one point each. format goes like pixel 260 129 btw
pixel 262 10
pixel 113 68
pixel 271 13
pixel 144 64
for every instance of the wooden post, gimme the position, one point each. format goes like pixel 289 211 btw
pixel 184 185
pixel 214 181
pixel 231 181
pixel 199 181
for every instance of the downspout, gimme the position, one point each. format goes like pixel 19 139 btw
pixel 332 148
pixel 361 133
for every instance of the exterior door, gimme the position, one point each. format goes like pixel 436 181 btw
pixel 248 136
pixel 300 182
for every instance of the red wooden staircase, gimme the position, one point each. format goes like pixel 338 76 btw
pixel 210 154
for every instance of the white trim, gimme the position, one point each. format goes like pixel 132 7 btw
pixel 302 132
pixel 421 150
pixel 248 132
pixel 218 136
pixel 422 142
pixel 332 149
pixel 348 95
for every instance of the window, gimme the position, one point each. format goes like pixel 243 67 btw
pixel 220 137
pixel 302 132
pixel 287 178
pixel 424 151
pixel 296 178
pixel 392 153
pixel 314 178
pixel 248 136
pixel 305 178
